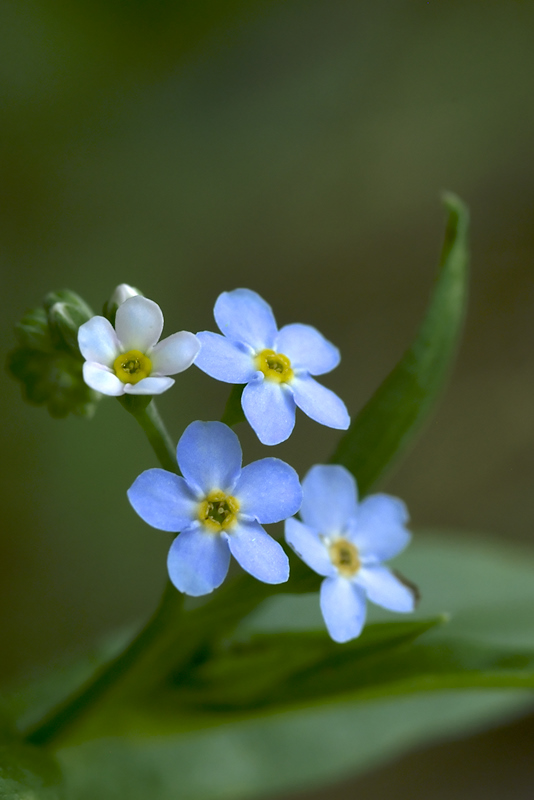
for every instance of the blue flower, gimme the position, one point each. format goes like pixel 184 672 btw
pixel 277 366
pixel 347 542
pixel 219 509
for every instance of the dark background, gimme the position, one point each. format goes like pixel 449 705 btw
pixel 299 149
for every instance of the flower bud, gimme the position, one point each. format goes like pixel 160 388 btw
pixel 47 360
pixel 64 319
pixel 121 293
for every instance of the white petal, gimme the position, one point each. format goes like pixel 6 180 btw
pixel 174 354
pixel 138 323
pixel 343 608
pixel 378 528
pixel 307 349
pixel 385 589
pixel 244 316
pixel 149 386
pixel 225 360
pixel 329 498
pixel 320 403
pixel 309 547
pixel 98 341
pixel 102 379
pixel 270 409
pixel 258 553
pixel 198 562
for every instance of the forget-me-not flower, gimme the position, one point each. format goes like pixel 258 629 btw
pixel 129 359
pixel 219 509
pixel 347 542
pixel 276 366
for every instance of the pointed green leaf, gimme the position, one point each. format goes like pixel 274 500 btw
pixel 388 422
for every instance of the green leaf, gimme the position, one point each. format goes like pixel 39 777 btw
pixel 27 773
pixel 389 421
pixel 142 748
pixel 261 671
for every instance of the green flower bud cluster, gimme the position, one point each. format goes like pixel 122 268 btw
pixel 47 360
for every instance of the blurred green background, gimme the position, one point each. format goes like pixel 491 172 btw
pixel 299 149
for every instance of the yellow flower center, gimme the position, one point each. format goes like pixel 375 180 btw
pixel 275 366
pixel 344 556
pixel 218 511
pixel 132 367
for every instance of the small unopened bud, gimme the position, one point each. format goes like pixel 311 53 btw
pixel 121 293
pixel 64 320
pixel 48 361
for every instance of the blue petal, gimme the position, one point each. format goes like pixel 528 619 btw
pixel 244 316
pixel 329 498
pixel 307 349
pixel 270 409
pixel 268 490
pixel 385 589
pixel 309 547
pixel 224 360
pixel 198 562
pixel 343 608
pixel 258 553
pixel 209 456
pixel 163 500
pixel 320 403
pixel 378 528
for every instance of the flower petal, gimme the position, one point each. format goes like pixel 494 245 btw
pixel 198 561
pixel 268 490
pixel 309 547
pixel 225 360
pixel 149 386
pixel 163 499
pixel 307 349
pixel 244 316
pixel 98 341
pixel 270 409
pixel 378 528
pixel 343 608
pixel 385 589
pixel 320 403
pixel 102 379
pixel 258 553
pixel 138 323
pixel 209 456
pixel 329 498
pixel 174 354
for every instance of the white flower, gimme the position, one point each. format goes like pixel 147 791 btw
pixel 128 359
pixel 347 542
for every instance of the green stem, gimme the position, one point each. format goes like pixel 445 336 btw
pixel 233 412
pixel 145 412
pixel 156 635
pixel 56 725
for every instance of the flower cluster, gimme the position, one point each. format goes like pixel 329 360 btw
pixel 218 507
